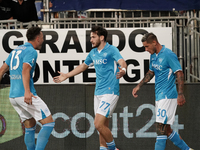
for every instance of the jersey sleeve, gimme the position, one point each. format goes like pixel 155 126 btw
pixel 8 59
pixel 150 64
pixel 88 60
pixel 30 58
pixel 116 54
pixel 173 62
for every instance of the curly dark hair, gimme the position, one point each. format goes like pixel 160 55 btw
pixel 100 31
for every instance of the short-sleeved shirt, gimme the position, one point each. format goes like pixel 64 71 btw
pixel 164 65
pixel 5 10
pixel 22 54
pixel 25 12
pixel 106 67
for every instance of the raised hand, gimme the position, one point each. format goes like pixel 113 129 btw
pixel 60 78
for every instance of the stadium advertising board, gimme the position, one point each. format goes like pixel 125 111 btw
pixel 132 123
pixel 65 49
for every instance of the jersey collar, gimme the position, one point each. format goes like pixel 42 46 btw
pixel 28 44
pixel 105 47
pixel 162 50
pixel 155 56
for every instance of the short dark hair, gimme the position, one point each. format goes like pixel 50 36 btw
pixel 149 38
pixel 32 33
pixel 100 31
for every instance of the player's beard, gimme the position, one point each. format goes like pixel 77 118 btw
pixel 154 50
pixel 39 47
pixel 97 44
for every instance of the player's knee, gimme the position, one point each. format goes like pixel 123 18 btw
pixel 98 126
pixel 161 129
pixel 30 123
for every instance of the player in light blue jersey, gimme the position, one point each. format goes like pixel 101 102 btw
pixel 165 66
pixel 31 108
pixel 109 66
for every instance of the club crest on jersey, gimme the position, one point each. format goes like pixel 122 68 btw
pixel 33 60
pixel 104 54
pixel 160 60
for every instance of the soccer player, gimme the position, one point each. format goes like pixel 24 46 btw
pixel 31 108
pixel 165 66
pixel 109 66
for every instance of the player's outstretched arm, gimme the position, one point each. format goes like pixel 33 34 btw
pixel 62 77
pixel 149 75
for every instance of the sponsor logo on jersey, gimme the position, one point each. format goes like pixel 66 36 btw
pixel 100 61
pixel 157 67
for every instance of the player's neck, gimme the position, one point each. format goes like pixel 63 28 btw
pixel 33 44
pixel 158 48
pixel 101 46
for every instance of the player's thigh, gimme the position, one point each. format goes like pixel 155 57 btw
pixel 23 113
pixel 105 104
pixel 165 111
pixel 96 103
pixel 38 110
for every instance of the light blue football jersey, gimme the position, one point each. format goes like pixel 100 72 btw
pixel 22 54
pixel 164 65
pixel 106 68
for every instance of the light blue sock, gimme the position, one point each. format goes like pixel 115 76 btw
pixel 161 142
pixel 29 138
pixel 103 148
pixel 175 138
pixel 111 145
pixel 44 135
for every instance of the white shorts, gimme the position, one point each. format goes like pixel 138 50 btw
pixel 105 104
pixel 38 110
pixel 165 111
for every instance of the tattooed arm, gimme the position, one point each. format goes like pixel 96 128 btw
pixel 149 75
pixel 180 79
